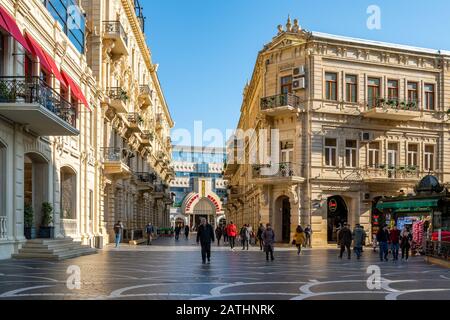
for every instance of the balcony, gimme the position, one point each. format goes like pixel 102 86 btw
pixel 140 15
pixel 236 193
pixel 146 138
pixel 144 180
pixel 392 109
pixel 280 104
pixel 160 191
pixel 115 162
pixel 145 95
pixel 135 121
pixel 279 174
pixel 114 30
pixel 119 99
pixel 32 103
pixel 385 173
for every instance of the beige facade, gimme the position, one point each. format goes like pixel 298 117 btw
pixel 93 165
pixel 356 119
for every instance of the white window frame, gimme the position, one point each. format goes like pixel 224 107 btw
pixel 429 157
pixel 353 157
pixel 329 150
pixel 374 155
pixel 412 155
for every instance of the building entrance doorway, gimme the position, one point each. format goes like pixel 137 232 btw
pixel 337 216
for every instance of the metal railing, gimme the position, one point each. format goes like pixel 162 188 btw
pixel 117 93
pixel 136 118
pixel 392 172
pixel 393 103
pixel 35 90
pixel 281 100
pixel 140 14
pixel 145 177
pixel 3 229
pixel 145 89
pixel 280 170
pixel 439 250
pixel 115 154
pixel 115 28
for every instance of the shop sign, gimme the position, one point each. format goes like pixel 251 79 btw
pixel 332 205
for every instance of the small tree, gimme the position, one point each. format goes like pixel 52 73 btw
pixel 47 217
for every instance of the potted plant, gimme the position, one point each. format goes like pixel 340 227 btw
pixel 29 230
pixel 47 231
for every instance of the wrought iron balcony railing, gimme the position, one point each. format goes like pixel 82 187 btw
pixel 145 177
pixel 281 100
pixel 145 89
pixel 115 28
pixel 392 172
pixel 140 14
pixel 117 93
pixel 116 155
pixel 394 103
pixel 34 90
pixel 281 170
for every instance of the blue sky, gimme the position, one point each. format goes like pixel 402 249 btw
pixel 206 49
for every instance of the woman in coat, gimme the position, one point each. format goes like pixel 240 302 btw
pixel 268 238
pixel 300 238
pixel 406 239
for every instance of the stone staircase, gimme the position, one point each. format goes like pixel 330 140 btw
pixel 49 249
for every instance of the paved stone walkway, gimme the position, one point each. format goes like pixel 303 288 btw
pixel 169 270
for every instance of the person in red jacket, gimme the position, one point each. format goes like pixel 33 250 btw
pixel 232 233
pixel 395 242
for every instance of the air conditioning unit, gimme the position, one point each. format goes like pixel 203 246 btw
pixel 299 72
pixel 366 136
pixel 299 83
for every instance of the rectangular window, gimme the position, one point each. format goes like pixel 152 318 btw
pixel 393 90
pixel 413 93
pixel 373 91
pixel 413 155
pixel 429 97
pixel 351 88
pixel 331 86
pixel 350 153
pixel 429 158
pixel 286 85
pixel 330 152
pixel 374 155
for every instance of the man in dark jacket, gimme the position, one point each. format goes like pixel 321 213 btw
pixel 205 236
pixel 186 232
pixel 345 240
pixel 383 238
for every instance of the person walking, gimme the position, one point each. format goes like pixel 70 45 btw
pixel 345 240
pixel 219 232
pixel 300 239
pixel 177 232
pixel 268 237
pixel 118 229
pixel 259 234
pixel 383 240
pixel 308 234
pixel 232 233
pixel 394 237
pixel 149 230
pixel 186 232
pixel 225 234
pixel 406 239
pixel 205 236
pixel 359 236
pixel 245 236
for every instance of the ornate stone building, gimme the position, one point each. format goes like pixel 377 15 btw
pixel 356 120
pixel 136 123
pixel 84 126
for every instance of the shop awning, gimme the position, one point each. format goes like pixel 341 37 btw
pixel 37 51
pixel 75 89
pixel 9 24
pixel 53 66
pixel 408 204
